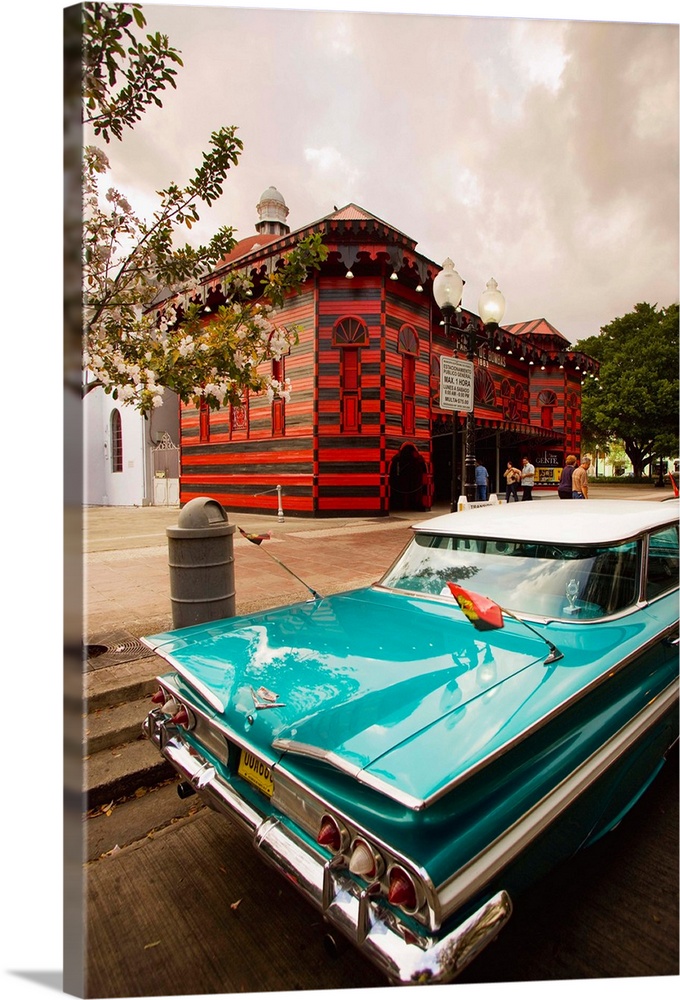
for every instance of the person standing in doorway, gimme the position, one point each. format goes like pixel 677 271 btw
pixel 512 477
pixel 527 480
pixel 481 481
pixel 579 481
pixel 564 487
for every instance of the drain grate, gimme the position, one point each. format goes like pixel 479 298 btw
pixel 121 651
pixel 93 650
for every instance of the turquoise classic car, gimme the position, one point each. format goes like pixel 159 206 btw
pixel 413 754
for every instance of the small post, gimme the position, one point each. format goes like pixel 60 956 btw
pixel 280 510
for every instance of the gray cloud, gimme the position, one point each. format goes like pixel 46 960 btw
pixel 544 153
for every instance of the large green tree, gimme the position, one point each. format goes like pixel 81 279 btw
pixel 635 399
pixel 131 350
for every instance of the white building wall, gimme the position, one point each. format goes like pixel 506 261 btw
pixel 102 486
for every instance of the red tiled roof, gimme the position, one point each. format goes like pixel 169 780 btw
pixel 535 326
pixel 245 246
pixel 351 211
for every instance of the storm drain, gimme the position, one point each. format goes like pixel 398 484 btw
pixel 121 650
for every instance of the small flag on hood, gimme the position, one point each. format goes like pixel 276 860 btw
pixel 481 611
pixel 255 539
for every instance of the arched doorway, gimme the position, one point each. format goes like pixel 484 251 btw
pixel 408 480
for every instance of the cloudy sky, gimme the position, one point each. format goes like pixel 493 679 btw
pixel 543 153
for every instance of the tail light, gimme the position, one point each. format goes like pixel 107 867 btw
pixel 183 717
pixel 403 890
pixel 332 835
pixel 169 706
pixel 364 860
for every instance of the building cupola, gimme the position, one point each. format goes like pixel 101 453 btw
pixel 273 212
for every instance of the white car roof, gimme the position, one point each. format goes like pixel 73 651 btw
pixel 584 522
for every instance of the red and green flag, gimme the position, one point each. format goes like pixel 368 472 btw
pixel 255 539
pixel 481 611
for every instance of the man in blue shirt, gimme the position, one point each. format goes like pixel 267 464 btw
pixel 481 481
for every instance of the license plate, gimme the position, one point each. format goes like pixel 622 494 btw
pixel 256 773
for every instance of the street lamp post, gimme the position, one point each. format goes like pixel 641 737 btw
pixel 447 289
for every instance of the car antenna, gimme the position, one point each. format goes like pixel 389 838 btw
pixel 555 653
pixel 258 539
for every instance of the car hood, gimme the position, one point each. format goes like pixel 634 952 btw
pixel 365 680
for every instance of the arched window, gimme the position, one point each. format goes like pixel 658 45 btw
pixel 547 400
pixel 203 421
pixel 116 442
pixel 350 334
pixel 240 416
pixel 407 346
pixel 408 340
pixel 278 404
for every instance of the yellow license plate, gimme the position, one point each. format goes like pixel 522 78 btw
pixel 256 772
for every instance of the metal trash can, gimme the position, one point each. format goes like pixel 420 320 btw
pixel 201 560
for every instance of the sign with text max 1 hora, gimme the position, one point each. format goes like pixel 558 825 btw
pixel 457 385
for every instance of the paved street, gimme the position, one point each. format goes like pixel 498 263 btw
pixel 190 908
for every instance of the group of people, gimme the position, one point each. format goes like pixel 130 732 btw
pixel 573 483
pixel 516 478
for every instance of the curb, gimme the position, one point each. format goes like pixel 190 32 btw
pixel 118 772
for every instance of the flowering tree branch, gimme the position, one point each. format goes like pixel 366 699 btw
pixel 215 357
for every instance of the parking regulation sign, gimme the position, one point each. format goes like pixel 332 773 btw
pixel 456 385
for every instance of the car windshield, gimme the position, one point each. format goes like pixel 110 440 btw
pixel 534 578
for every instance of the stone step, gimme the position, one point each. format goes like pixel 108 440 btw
pixel 110 726
pixel 119 772
pixel 108 686
pixel 133 820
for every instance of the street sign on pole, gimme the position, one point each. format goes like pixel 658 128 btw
pixel 457 385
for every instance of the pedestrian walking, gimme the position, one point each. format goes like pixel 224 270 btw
pixel 527 479
pixel 481 481
pixel 579 481
pixel 564 487
pixel 512 477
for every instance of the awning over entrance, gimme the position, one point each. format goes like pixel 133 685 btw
pixel 512 433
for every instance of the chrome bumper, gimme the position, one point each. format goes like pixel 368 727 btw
pixel 358 915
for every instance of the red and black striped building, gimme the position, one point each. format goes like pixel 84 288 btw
pixel 363 431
